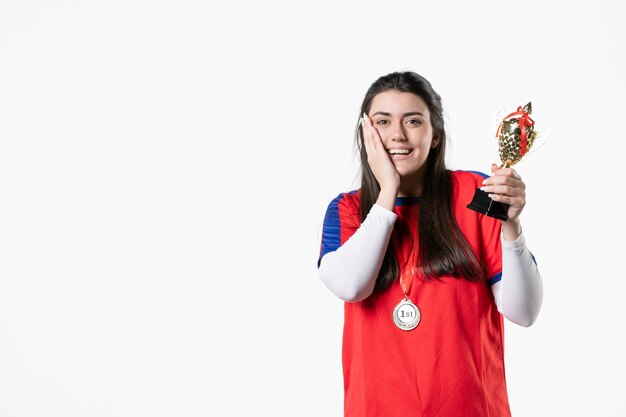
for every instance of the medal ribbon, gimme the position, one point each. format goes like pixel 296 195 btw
pixel 409 263
pixel 524 120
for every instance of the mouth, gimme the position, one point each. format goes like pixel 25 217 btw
pixel 398 154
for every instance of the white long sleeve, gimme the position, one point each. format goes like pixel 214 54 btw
pixel 350 272
pixel 519 294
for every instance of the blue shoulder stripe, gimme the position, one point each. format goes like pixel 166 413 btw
pixel 482 174
pixel 331 232
pixel 496 278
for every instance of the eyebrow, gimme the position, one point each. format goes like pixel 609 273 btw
pixel 412 113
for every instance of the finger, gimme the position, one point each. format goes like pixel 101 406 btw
pixel 367 120
pixel 505 180
pixel 509 172
pixel 504 190
pixel 501 179
pixel 376 141
pixel 509 177
pixel 514 174
pixel 367 139
pixel 516 202
pixel 366 125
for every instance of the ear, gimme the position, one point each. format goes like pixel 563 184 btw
pixel 434 143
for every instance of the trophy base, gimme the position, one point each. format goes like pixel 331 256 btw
pixel 485 205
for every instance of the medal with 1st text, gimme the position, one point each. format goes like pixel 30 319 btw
pixel 406 315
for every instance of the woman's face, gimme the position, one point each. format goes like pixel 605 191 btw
pixel 403 121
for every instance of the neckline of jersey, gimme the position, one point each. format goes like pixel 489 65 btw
pixel 407 200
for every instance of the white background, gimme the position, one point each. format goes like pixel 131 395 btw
pixel 165 168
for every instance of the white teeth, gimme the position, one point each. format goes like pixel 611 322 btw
pixel 398 151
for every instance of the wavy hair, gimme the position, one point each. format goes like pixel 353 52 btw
pixel 442 248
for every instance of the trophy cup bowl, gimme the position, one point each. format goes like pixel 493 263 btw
pixel 516 135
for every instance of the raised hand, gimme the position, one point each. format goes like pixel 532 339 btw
pixel 505 185
pixel 380 163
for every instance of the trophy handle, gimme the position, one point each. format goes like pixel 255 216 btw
pixel 543 134
pixel 497 118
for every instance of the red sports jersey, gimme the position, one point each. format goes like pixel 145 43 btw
pixel 451 364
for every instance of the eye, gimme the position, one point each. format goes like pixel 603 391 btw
pixel 414 122
pixel 382 122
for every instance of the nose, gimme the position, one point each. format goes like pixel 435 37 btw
pixel 397 135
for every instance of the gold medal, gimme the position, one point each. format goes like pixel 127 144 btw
pixel 406 315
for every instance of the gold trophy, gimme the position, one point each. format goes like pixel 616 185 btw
pixel 516 135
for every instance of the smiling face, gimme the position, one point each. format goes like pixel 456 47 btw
pixel 403 122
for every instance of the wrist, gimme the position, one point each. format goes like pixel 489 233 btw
pixel 387 197
pixel 511 229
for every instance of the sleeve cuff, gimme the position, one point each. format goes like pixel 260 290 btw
pixel 516 244
pixel 383 213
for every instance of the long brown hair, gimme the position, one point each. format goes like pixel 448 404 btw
pixel 442 248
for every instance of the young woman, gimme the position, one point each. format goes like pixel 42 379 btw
pixel 426 280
